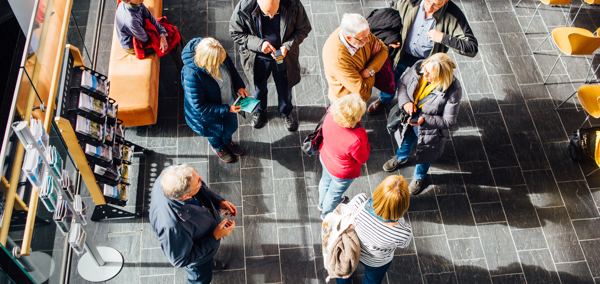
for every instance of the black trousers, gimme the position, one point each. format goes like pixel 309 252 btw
pixel 263 68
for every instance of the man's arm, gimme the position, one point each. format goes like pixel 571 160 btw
pixel 242 34
pixel 351 79
pixel 461 38
pixel 301 29
pixel 376 62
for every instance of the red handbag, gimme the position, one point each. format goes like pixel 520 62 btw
pixel 384 79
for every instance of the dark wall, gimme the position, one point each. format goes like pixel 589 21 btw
pixel 11 51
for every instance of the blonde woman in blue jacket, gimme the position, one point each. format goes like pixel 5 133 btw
pixel 210 82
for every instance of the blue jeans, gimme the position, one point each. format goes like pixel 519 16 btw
pixel 406 147
pixel 230 125
pixel 331 190
pixel 373 275
pixel 201 274
pixel 406 62
pixel 262 70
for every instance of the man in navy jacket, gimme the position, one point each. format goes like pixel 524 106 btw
pixel 185 215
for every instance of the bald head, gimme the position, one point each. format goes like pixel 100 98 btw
pixel 268 7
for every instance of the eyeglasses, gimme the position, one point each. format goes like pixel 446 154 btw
pixel 362 41
pixel 434 5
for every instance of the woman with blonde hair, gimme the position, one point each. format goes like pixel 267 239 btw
pixel 430 93
pixel 210 82
pixel 380 227
pixel 344 149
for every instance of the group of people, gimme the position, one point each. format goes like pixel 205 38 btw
pixel 412 38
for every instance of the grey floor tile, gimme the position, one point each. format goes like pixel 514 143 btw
pixel 591 250
pixel 154 262
pixel 508 176
pixel 576 272
pixel 546 121
pixel 506 90
pixel 578 200
pixel 493 130
pixel 538 266
pixel 525 69
pixel 495 59
pixel 263 269
pixel 291 202
pixel 297 265
pixel 474 81
pixel 458 219
pixel 472 271
pixel 520 212
pixel 529 239
pixel 287 163
pixel 483 103
pixel 468 146
pixel 258 204
pixel 485 32
pixel 260 235
pixel 130 273
pixel 158 279
pixel 466 248
pixel 434 254
pixel 488 212
pixel 191 147
pixel 231 250
pixel 257 148
pixel 476 10
pixel 587 229
pixel 294 237
pixel 257 181
pixel 529 151
pixel 230 191
pixel 512 278
pixel 559 232
pixel 501 156
pixel 128 244
pixel 230 277
pixel 479 182
pixel 448 277
pixel 543 188
pixel 499 249
pixel 426 223
pixel 517 118
pixel 563 167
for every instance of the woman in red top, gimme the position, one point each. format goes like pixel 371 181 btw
pixel 344 149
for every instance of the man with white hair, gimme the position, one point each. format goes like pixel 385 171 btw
pixel 352 55
pixel 185 215
pixel 261 28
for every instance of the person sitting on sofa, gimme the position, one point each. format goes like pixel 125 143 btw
pixel 130 18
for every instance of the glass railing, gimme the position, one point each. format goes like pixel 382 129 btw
pixel 53 24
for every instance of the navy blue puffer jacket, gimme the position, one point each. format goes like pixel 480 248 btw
pixel 204 111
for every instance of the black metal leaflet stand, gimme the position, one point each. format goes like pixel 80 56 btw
pixel 67 107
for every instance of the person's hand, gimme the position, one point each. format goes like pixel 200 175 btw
pixel 376 47
pixel 283 51
pixel 164 45
pixel 410 108
pixel 435 35
pixel 242 92
pixel 365 73
pixel 235 109
pixel 267 47
pixel 224 229
pixel 419 122
pixel 396 45
pixel 228 206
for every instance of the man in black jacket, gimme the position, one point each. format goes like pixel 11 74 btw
pixel 261 28
pixel 428 27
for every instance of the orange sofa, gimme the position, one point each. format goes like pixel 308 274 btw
pixel 134 82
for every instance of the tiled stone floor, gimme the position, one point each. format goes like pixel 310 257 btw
pixel 504 204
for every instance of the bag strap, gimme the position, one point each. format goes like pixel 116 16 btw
pixel 425 99
pixel 321 121
pixel 355 215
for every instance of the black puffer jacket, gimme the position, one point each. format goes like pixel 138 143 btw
pixel 439 112
pixel 244 28
pixel 386 25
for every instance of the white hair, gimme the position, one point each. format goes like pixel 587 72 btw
pixel 353 24
pixel 176 181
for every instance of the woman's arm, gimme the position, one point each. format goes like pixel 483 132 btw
pixel 450 113
pixel 196 96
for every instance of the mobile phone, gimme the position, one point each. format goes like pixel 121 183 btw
pixel 225 212
pixel 414 118
pixel 278 55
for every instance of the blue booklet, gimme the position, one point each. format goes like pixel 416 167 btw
pixel 248 104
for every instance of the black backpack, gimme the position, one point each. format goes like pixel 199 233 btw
pixel 576 150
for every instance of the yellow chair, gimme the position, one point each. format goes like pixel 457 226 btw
pixel 553 3
pixel 574 41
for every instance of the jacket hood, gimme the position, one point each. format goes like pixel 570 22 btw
pixel 187 54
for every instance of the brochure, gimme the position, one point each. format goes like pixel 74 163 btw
pixel 89 128
pixel 93 83
pixel 54 160
pixel 39 133
pixel 67 185
pixel 49 193
pixel 34 168
pixel 77 238
pixel 79 208
pixel 248 104
pixel 63 216
pixel 92 105
pixel 103 152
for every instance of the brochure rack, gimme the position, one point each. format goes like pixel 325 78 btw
pixel 101 159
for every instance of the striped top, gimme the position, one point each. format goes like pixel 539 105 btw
pixel 377 240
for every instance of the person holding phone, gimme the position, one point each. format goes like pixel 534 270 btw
pixel 430 93
pixel 184 214
pixel 268 34
pixel 211 84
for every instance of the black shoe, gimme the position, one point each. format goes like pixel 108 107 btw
pixel 258 119
pixel 235 149
pixel 218 266
pixel 290 123
pixel 344 200
pixel 393 164
pixel 416 186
